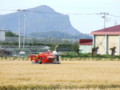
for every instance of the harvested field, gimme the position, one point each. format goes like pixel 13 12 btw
pixel 69 75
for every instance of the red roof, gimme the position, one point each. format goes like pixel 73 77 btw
pixel 114 30
pixel 85 41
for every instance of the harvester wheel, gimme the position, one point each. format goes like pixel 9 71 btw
pixel 40 61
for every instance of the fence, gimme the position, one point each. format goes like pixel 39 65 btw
pixel 41 40
pixel 13 51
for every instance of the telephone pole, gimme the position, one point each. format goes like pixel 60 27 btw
pixel 19 28
pixel 24 30
pixel 104 17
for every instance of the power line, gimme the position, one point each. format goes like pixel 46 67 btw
pixel 114 15
pixel 104 17
pixel 7 10
pixel 62 13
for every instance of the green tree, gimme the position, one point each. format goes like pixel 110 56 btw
pixel 64 47
pixel 52 47
pixel 75 48
pixel 10 34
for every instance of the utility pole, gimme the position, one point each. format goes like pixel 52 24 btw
pixel 24 30
pixel 19 28
pixel 104 17
pixel 0 22
pixel 115 22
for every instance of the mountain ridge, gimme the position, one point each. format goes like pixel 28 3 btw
pixel 38 20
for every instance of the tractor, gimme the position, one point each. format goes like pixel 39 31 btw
pixel 44 58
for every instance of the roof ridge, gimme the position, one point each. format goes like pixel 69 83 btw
pixel 108 31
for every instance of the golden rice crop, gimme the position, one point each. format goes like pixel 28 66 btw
pixel 69 75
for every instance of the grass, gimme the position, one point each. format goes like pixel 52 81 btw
pixel 70 75
pixel 88 56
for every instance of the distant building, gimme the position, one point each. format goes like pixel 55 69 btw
pixel 85 45
pixel 106 39
pixel 2 35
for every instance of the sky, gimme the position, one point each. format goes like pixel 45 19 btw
pixel 84 14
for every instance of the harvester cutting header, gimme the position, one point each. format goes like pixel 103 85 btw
pixel 46 57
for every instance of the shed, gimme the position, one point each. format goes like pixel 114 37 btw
pixel 85 45
pixel 107 38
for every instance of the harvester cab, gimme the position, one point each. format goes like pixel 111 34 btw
pixel 44 58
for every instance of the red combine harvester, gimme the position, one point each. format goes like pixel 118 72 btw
pixel 43 58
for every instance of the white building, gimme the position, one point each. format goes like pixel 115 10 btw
pixel 2 35
pixel 85 45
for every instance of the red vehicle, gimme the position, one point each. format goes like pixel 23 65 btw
pixel 45 57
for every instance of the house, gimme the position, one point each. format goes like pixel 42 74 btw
pixel 106 39
pixel 2 35
pixel 85 45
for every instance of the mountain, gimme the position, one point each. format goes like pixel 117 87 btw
pixel 41 21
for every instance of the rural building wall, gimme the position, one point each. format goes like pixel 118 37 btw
pixel 107 38
pixel 100 41
pixel 85 48
pixel 113 41
pixel 2 35
pixel 105 44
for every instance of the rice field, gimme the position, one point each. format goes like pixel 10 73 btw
pixel 69 75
